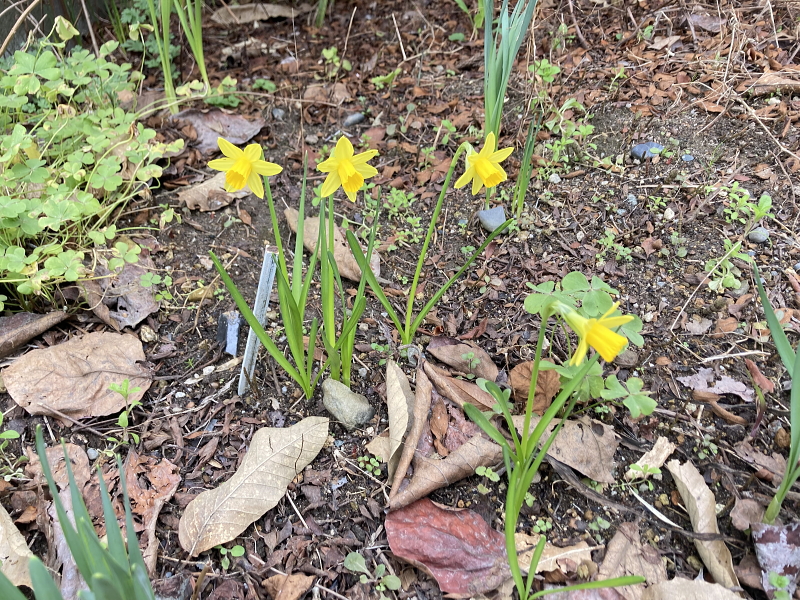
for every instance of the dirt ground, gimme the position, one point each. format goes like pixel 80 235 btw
pixel 665 216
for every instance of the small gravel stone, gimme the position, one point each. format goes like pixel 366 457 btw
pixel 669 214
pixel 92 453
pixel 554 178
pixel 349 408
pixel 492 218
pixel 622 212
pixel 741 290
pixel 687 158
pixel 353 119
pixel 631 201
pixel 278 114
pixel 797 267
pixel 644 150
pixel 311 139
pixel 759 235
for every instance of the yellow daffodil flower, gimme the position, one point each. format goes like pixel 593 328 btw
pixel 243 167
pixel 346 170
pixel 484 167
pixel 596 333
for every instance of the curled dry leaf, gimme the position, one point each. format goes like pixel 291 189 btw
pixel 459 391
pixel 702 508
pixel 778 551
pixel 626 555
pixel 548 383
pixel 654 458
pixel 14 552
pixel 400 401
pixel 345 261
pixel 772 466
pixel 431 474
pixel 465 357
pixel 288 587
pixel 686 589
pixel 440 423
pixel 745 513
pixel 274 458
pixel 213 124
pixel 422 403
pixel 726 385
pixel 209 195
pixel 259 11
pixel 74 377
pixel 765 384
pixel 585 445
pixel 553 558
pixel 457 548
pixel 128 302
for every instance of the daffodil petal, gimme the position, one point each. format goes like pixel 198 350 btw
pixel 229 149
pixel 366 171
pixel 580 353
pixel 351 195
pixel 328 165
pixel 222 164
pixel 253 152
pixel 612 322
pixel 608 343
pixel 360 159
pixel 465 178
pixel 255 185
pixel 501 155
pixel 477 184
pixel 331 184
pixel 344 149
pixel 263 167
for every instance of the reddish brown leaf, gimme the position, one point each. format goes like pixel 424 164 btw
pixel 765 384
pixel 547 385
pixel 464 357
pixel 778 551
pixel 457 548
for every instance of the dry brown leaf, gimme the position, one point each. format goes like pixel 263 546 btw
pixel 775 464
pixel 745 512
pixel 548 383
pixel 465 357
pixel 585 445
pixel 654 458
pixel 400 402
pixel 431 474
pixel 129 303
pixel 14 552
pixel 724 326
pixel 765 384
pixel 701 506
pixel 288 587
pixel 422 404
pixel 553 558
pixel 698 326
pixel 348 267
pixel 726 385
pixel 209 195
pixel 626 555
pixel 685 589
pixel 770 83
pixel 73 377
pixel 459 391
pixel 21 327
pixel 440 423
pixel 210 125
pixel 274 458
pixel 260 11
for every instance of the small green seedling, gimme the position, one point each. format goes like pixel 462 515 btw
pixel 382 81
pixel 644 472
pixel 542 526
pixel 265 84
pixel 235 552
pixel 706 448
pixel 781 585
pixel 370 464
pixel 355 562
pixel 124 390
pixel 489 474
pixel 469 358
pixel 723 274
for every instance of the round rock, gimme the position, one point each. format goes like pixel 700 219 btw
pixel 353 119
pixel 645 150
pixel 554 178
pixel 759 235
pixel 347 407
pixel 492 218
pixel 278 114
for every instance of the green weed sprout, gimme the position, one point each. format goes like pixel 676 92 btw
pixel 113 569
pixel 791 361
pixel 190 15
pixel 124 390
pixel 411 323
pixel 525 169
pixel 527 449
pixel 500 48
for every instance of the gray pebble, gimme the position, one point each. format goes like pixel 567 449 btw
pixel 347 407
pixel 759 235
pixel 741 290
pixel 687 158
pixel 312 139
pixel 492 218
pixel 797 267
pixel 622 212
pixel 631 201
pixel 644 150
pixel 353 119
pixel 554 178
pixel 92 453
pixel 278 114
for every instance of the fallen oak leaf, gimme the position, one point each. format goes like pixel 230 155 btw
pixel 457 390
pixel 14 551
pixel 548 383
pixel 422 404
pixel 464 357
pixel 273 460
pixel 626 555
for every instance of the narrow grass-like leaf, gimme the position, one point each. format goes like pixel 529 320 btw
pixel 43 585
pixel 776 329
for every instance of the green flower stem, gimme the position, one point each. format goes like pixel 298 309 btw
pixel 191 18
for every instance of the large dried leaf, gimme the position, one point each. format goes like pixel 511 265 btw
pixel 431 474
pixel 73 377
pixel 213 124
pixel 209 195
pixel 625 555
pixel 705 381
pixel 129 303
pixel 260 11
pixel 288 587
pixel 585 445
pixel 702 508
pixel 345 261
pixel 654 458
pixel 422 403
pixel 465 357
pixel 274 458
pixel 457 548
pixel 459 391
pixel 553 558
pixel 772 466
pixel 147 501
pixel 400 403
pixel 21 327
pixel 778 551
pixel 548 383
pixel 14 552
pixel 686 589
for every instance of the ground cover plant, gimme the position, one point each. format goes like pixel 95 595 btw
pixel 595 392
